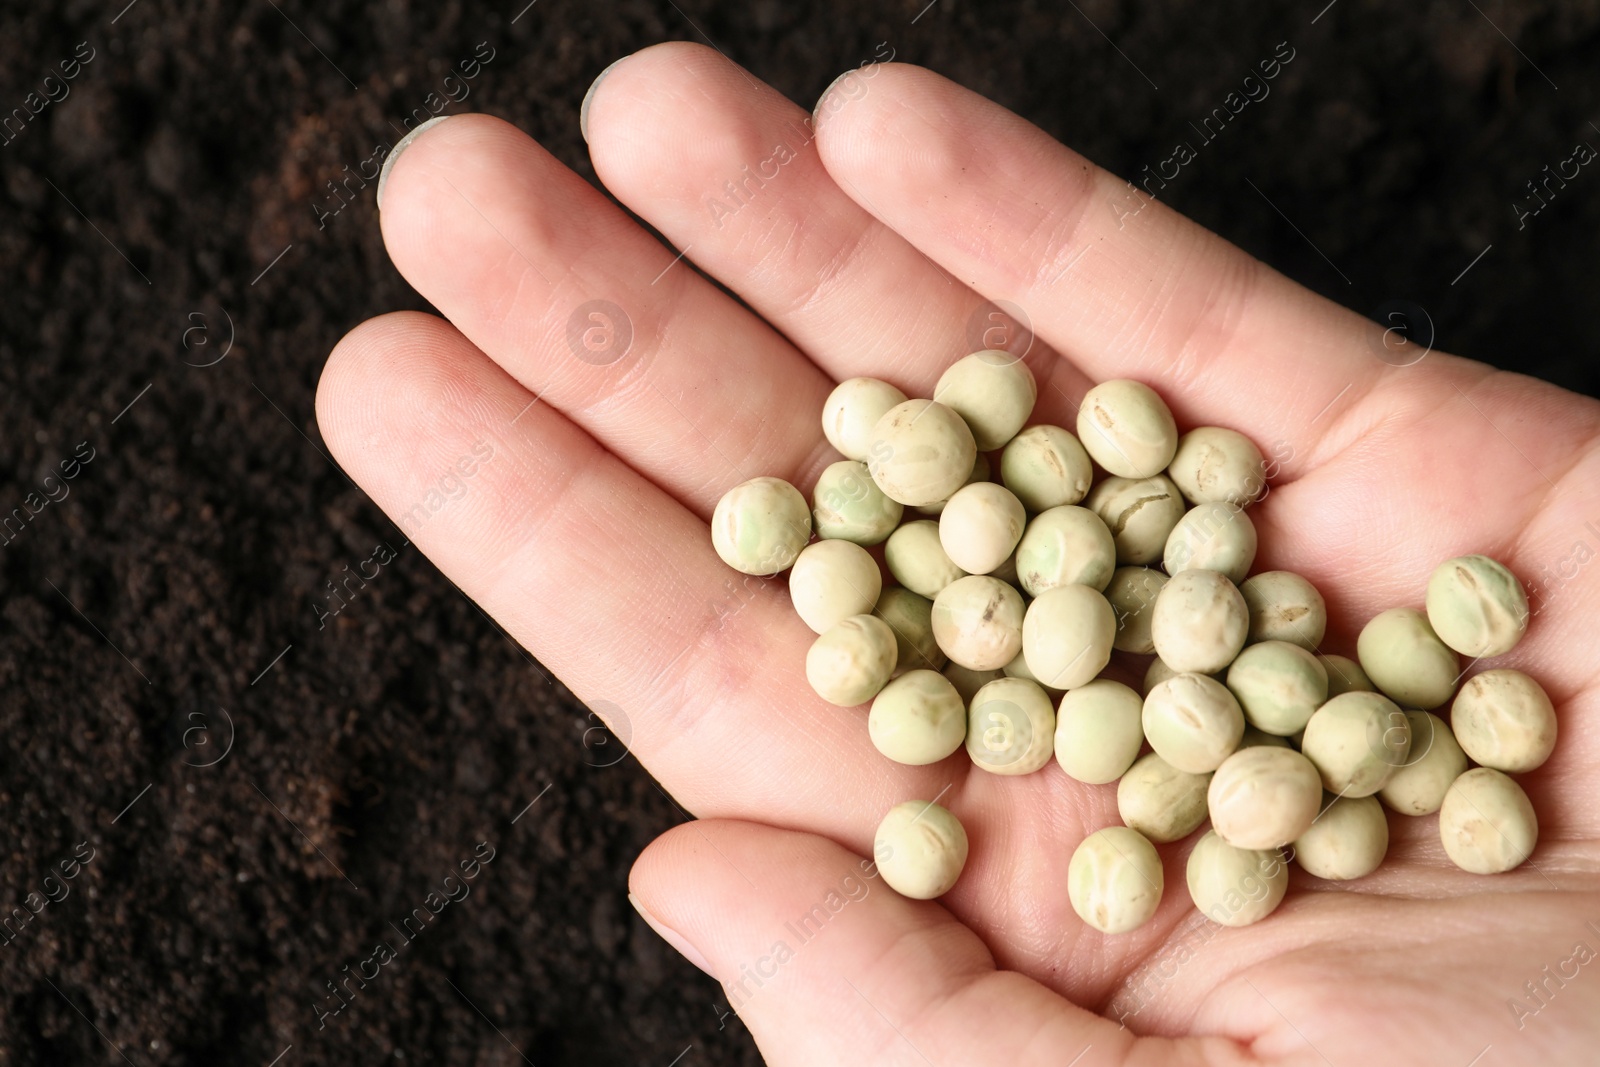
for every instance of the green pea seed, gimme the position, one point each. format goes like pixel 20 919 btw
pixel 1139 512
pixel 1235 886
pixel 1067 634
pixel 920 849
pixel 911 618
pixel 917 719
pixel 1132 593
pixel 1477 606
pixel 1099 730
pixel 1193 722
pixel 1212 537
pixel 847 505
pixel 1199 622
pixel 1127 428
pixel 760 526
pixel 1263 797
pixel 921 452
pixel 993 391
pixel 1114 880
pixel 1406 660
pixel 1160 801
pixel 977 622
pixel 1011 727
pixel 1278 685
pixel 968 681
pixel 980 526
pixel 833 580
pixel 852 661
pixel 1357 742
pixel 1433 764
pixel 852 410
pixel 1066 545
pixel 1214 465
pixel 1046 467
pixel 918 561
pixel 1486 823
pixel 1348 840
pixel 1283 606
pixel 1345 676
pixel 1504 719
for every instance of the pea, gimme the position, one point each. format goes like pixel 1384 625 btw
pixel 977 621
pixel 1127 428
pixel 1199 622
pixel 1132 593
pixel 1348 839
pixel 760 526
pixel 848 505
pixel 1345 676
pixel 1011 727
pixel 1114 880
pixel 968 681
pixel 852 661
pixel 921 452
pixel 1278 685
pixel 980 526
pixel 1066 545
pixel 1253 737
pixel 918 561
pixel 1433 764
pixel 1139 512
pixel 1357 742
pixel 917 719
pixel 1067 634
pixel 1486 823
pixel 852 410
pixel 1504 719
pixel 1235 886
pixel 1214 465
pixel 1263 797
pixel 920 849
pixel 831 581
pixel 1212 537
pixel 1160 801
pixel 1046 467
pixel 911 618
pixel 1099 731
pixel 993 391
pixel 1283 606
pixel 1406 660
pixel 1477 606
pixel 1193 722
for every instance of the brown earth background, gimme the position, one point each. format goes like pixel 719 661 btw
pixel 166 210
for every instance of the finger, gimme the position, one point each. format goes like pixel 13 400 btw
pixel 827 965
pixel 593 317
pixel 724 166
pixel 607 580
pixel 614 586
pixel 1119 292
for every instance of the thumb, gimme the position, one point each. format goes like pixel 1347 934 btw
pixel 827 965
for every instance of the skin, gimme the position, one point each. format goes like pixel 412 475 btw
pixel 1409 465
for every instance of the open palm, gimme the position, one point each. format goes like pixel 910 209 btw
pixel 617 393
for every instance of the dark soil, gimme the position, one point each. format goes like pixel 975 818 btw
pixel 181 584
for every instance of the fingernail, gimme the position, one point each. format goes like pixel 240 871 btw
pixel 816 112
pixel 671 937
pixel 588 98
pixel 394 154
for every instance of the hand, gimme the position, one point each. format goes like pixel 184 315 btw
pixel 613 429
